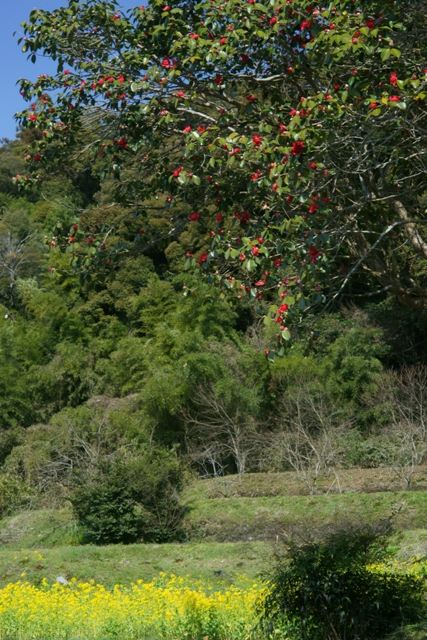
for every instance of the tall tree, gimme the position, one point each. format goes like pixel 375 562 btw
pixel 295 134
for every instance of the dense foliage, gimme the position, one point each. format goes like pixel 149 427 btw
pixel 329 590
pixel 290 133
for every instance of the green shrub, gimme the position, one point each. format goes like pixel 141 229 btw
pixel 131 499
pixel 326 591
pixel 14 494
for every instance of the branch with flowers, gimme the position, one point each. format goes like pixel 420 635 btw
pixel 292 135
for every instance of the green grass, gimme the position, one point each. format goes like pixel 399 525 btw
pixel 230 535
pixel 413 632
pixel 118 564
pixel 233 526
pixel 269 518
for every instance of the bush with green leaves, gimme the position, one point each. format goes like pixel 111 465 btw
pixel 131 499
pixel 327 590
pixel 14 494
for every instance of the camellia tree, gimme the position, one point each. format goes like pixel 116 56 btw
pixel 290 134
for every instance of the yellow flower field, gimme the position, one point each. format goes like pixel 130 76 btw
pixel 168 607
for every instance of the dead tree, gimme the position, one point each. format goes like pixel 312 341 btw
pixel 405 394
pixel 217 431
pixel 308 438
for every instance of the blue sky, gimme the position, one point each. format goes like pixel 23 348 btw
pixel 14 63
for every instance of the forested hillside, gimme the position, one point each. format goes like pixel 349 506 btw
pixel 145 375
pixel 211 256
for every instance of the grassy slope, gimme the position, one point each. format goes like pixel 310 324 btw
pixel 232 535
pixel 233 524
pixel 117 564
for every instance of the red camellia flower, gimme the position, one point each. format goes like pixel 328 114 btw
pixel 393 78
pixel 373 105
pixel 219 80
pixel 194 217
pixel 219 217
pixel 116 17
pixel 313 165
pixel 260 283
pixel 122 142
pixel 370 23
pixel 256 139
pixel 277 262
pixel 37 157
pixel 186 130
pixel 201 129
pixel 244 58
pixel 167 8
pixel 71 239
pixel 314 254
pixel 241 257
pixel 177 172
pixel 32 117
pixel 273 21
pixel 188 254
pixel 194 36
pixel 203 258
pixel 282 128
pixel 255 251
pixel 251 98
pixel 306 24
pixel 89 240
pixel 297 148
pixel 394 99
pixel 255 175
pixel 180 94
pixel 313 208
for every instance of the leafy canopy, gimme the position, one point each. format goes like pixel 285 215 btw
pixel 292 134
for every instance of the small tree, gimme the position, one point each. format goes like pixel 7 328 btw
pixel 308 441
pixel 221 429
pixel 406 393
pixel 293 133
pixel 329 590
